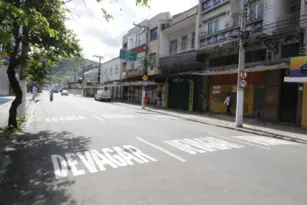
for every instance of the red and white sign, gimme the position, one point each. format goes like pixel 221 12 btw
pixel 243 83
pixel 243 75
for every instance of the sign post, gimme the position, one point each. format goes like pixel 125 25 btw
pixel 144 83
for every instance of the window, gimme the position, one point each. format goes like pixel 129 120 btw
pixel 152 59
pixel 255 11
pixel 154 34
pixel 213 26
pixel 173 46
pixel 184 42
pixel 116 69
pixel 124 66
pixel 140 62
pixel 141 39
pixel 111 70
pixel 193 40
pixel 125 46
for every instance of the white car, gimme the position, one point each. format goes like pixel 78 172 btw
pixel 103 95
pixel 64 92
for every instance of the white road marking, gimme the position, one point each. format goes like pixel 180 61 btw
pixel 65 118
pixel 264 140
pixel 93 161
pixel 117 116
pixel 98 118
pixel 202 144
pixel 161 149
pixel 30 117
pixel 149 117
pixel 240 141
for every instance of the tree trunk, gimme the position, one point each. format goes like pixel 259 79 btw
pixel 18 95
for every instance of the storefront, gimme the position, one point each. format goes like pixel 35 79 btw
pixel 297 78
pixel 222 85
pixel 132 92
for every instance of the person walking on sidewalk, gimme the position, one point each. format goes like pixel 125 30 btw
pixel 228 102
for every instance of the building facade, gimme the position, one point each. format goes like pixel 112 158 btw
pixel 144 41
pixel 275 36
pixel 178 61
pixel 111 76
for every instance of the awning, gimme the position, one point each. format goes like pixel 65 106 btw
pixel 295 79
pixel 139 83
pixel 257 68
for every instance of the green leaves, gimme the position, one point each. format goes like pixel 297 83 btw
pixel 108 17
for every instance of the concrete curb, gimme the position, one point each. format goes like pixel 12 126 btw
pixel 262 133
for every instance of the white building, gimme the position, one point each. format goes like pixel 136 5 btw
pixel 111 76
pixel 135 40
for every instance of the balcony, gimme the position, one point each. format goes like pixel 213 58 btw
pixel 288 22
pixel 180 62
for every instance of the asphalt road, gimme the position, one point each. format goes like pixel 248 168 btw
pixel 79 151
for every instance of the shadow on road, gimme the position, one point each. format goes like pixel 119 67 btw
pixel 30 178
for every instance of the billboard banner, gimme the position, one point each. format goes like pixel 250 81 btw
pixel 298 66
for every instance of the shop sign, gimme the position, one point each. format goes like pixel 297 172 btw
pixel 298 66
pixel 216 89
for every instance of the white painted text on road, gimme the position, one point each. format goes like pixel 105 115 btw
pixel 264 140
pixel 65 118
pixel 93 161
pixel 202 145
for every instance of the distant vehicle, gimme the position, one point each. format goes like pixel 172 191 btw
pixel 55 91
pixel 64 92
pixel 104 95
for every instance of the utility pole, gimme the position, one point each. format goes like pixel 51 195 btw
pixel 146 29
pixel 240 90
pixel 99 70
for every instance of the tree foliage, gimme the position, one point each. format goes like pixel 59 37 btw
pixel 37 25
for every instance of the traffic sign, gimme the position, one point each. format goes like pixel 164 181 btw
pixel 144 83
pixel 127 55
pixel 145 77
pixel 243 83
pixel 243 75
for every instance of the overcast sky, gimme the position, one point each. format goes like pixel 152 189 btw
pixel 101 38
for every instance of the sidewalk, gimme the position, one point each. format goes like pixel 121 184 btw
pixel 4 108
pixel 251 125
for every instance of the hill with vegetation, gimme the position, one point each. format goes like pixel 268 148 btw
pixel 70 68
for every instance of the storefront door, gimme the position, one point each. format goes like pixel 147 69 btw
pixel 288 103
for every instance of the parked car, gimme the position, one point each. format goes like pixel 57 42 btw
pixel 103 95
pixel 55 91
pixel 64 92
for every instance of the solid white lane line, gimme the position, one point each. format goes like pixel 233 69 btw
pixel 98 118
pixel 243 142
pixel 162 150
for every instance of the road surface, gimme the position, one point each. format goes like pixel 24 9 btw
pixel 79 151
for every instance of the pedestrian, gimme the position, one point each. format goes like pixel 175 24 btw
pixel 228 102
